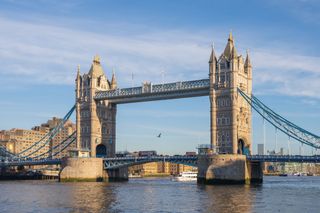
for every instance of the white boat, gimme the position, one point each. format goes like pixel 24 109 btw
pixel 186 176
pixel 134 176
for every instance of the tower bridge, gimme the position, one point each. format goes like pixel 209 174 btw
pixel 229 88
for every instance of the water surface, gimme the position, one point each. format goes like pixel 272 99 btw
pixel 276 194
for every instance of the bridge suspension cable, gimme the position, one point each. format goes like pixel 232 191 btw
pixel 50 135
pixel 43 141
pixel 282 124
pixel 70 138
pixel 4 152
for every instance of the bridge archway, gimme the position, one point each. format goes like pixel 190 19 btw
pixel 243 149
pixel 101 151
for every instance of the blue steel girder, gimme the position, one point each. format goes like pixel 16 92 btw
pixel 149 92
pixel 282 124
pixel 30 162
pixel 114 163
pixel 285 158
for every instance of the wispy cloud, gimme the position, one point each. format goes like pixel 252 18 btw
pixel 46 54
pixel 286 74
pixel 49 54
pixel 304 10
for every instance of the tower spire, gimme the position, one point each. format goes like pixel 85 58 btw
pixel 230 36
pixel 213 55
pixel 78 70
pixel 230 50
pixel 247 63
pixel 113 80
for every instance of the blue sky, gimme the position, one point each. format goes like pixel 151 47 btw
pixel 42 42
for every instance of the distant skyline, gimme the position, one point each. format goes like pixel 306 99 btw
pixel 42 42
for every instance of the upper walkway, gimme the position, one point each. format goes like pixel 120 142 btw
pixel 149 92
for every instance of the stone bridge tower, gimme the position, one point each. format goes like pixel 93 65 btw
pixel 230 113
pixel 96 120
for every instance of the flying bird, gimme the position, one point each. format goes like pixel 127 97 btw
pixel 159 135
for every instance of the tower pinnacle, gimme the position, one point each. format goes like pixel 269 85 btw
pixel 230 50
pixel 247 63
pixel 213 55
pixel 78 69
pixel 113 80
pixel 230 36
pixel 96 59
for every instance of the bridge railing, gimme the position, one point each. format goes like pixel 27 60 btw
pixel 148 88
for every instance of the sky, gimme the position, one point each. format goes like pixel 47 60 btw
pixel 42 42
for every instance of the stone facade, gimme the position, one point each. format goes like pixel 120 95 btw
pixel 96 120
pixel 230 113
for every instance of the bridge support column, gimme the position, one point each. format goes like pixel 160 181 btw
pixel 89 169
pixel 120 174
pixel 82 169
pixel 228 169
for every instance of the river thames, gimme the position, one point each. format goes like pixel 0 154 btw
pixel 276 194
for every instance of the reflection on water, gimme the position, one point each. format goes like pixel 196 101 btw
pixel 277 194
pixel 232 198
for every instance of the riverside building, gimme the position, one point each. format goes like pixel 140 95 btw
pixel 17 140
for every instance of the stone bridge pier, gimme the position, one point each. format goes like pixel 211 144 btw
pixel 89 169
pixel 228 169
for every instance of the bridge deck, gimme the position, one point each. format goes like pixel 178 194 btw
pixel 112 163
pixel 149 92
pixel 285 158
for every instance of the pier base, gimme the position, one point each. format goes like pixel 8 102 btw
pixel 89 169
pixel 228 169
pixel 82 169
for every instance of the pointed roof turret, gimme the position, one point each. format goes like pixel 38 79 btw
pixel 247 63
pixel 230 50
pixel 78 70
pixel 234 53
pixel 113 80
pixel 230 36
pixel 96 69
pixel 213 55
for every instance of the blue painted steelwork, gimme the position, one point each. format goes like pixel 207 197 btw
pixel 42 142
pixel 114 163
pixel 49 136
pixel 4 152
pixel 281 123
pixel 20 162
pixel 149 92
pixel 70 140
pixel 285 158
